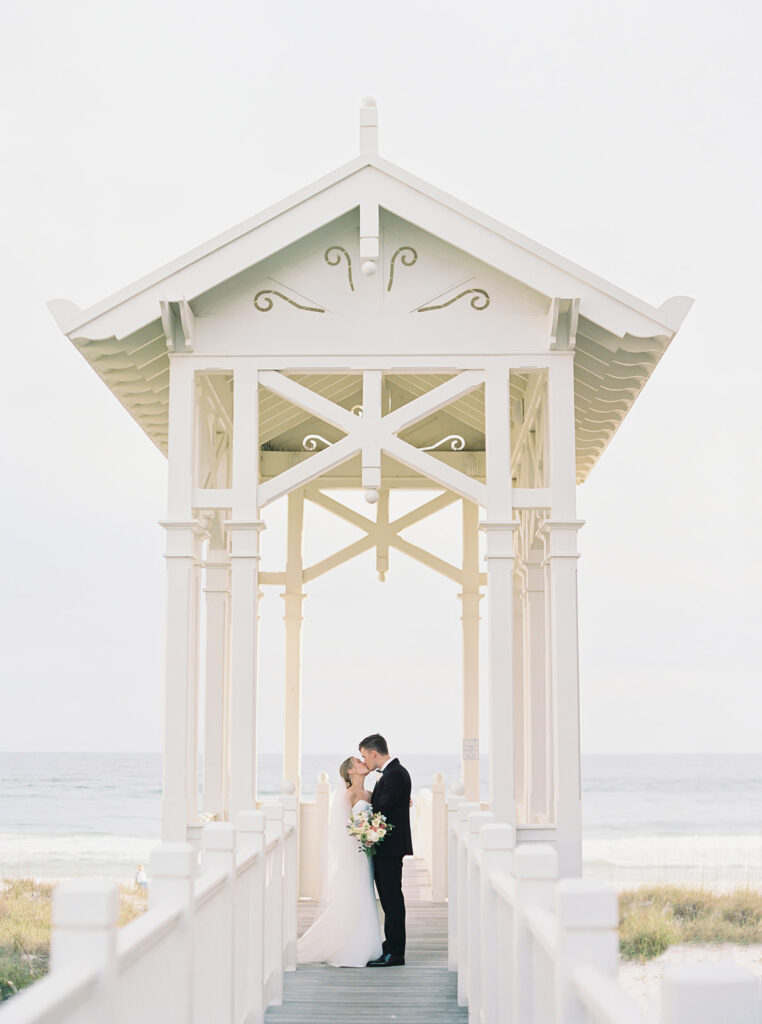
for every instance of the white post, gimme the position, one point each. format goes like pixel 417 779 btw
pixel 587 914
pixel 293 598
pixel 461 832
pixel 179 805
pixel 290 806
pixel 173 866
pixel 498 843
pixel 470 598
pixel 245 528
pixel 438 839
pixel 453 809
pixel 536 871
pixel 709 994
pixel 561 556
pixel 274 906
pixel 249 950
pixel 537 711
pixel 519 701
pixel 85 914
pixel 499 529
pixel 217 591
pixel 322 806
pixel 476 821
pixel 179 800
pixel 218 842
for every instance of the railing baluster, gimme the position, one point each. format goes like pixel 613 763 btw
pixel 274 905
pixel 172 869
pixel 497 845
pixel 84 916
pixel 290 875
pixel 218 842
pixel 453 807
pixel 462 855
pixel 476 821
pixel 587 917
pixel 536 869
pixel 250 915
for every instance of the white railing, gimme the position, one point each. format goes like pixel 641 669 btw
pixel 430 834
pixel 211 948
pixel 530 949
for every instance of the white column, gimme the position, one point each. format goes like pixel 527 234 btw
pixel 245 528
pixel 499 529
pixel 217 591
pixel 470 598
pixel 183 551
pixel 536 710
pixel 519 701
pixel 560 534
pixel 293 598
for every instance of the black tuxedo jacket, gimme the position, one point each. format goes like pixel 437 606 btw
pixel 391 797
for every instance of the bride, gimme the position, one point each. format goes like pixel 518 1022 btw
pixel 346 932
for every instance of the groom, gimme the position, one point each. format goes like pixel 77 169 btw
pixel 391 797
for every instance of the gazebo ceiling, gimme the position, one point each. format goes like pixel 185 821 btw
pixel 619 339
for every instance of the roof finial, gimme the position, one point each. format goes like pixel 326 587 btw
pixel 369 126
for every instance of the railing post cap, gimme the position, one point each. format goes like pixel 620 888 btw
pixel 85 903
pixel 536 860
pixel 218 835
pixel 287 788
pixel 457 788
pixel 173 860
pixel 722 992
pixel 250 821
pixel 273 812
pixel 583 904
pixel 465 809
pixel 498 836
pixel 323 779
pixel 477 819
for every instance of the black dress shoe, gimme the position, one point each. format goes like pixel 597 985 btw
pixel 387 960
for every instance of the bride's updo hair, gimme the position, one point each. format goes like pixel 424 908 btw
pixel 344 771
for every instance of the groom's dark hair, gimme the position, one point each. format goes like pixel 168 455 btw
pixel 375 742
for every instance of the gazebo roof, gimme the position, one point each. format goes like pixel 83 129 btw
pixel 619 338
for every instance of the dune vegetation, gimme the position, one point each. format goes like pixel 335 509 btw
pixel 25 905
pixel 652 919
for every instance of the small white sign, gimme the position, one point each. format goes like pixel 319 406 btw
pixel 470 750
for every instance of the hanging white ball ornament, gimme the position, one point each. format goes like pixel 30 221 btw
pixel 368 268
pixel 371 496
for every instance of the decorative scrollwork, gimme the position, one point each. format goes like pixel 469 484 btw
pixel 357 410
pixel 333 258
pixel 457 443
pixel 267 302
pixel 407 258
pixel 480 300
pixel 311 442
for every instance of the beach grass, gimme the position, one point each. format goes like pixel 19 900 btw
pixel 653 918
pixel 25 905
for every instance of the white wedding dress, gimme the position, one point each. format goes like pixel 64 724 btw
pixel 347 931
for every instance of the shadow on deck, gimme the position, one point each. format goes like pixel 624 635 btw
pixel 422 991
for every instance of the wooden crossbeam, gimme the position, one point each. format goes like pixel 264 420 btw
pixel 382 534
pixel 432 401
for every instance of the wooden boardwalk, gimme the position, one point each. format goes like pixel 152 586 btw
pixel 421 992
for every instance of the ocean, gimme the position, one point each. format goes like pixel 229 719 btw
pixel 660 818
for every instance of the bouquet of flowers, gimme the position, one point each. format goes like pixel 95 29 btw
pixel 368 829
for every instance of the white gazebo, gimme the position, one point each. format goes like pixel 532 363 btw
pixel 372 332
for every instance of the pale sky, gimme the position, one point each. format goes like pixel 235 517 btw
pixel 625 138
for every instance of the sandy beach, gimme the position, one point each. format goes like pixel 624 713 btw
pixel 643 980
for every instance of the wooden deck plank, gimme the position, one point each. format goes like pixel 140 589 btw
pixel 421 992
